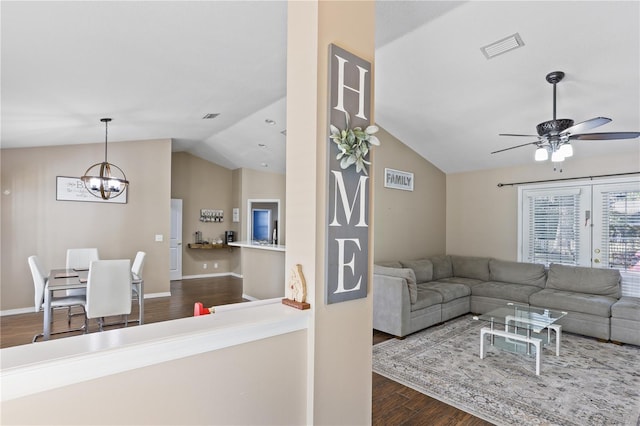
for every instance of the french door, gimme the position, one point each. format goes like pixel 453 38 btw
pixel 594 224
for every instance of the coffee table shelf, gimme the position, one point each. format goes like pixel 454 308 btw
pixel 525 329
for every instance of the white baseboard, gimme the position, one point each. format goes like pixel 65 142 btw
pixel 16 311
pixel 19 311
pixel 250 298
pixel 156 295
pixel 221 274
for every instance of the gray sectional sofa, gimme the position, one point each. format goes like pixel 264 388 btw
pixel 414 294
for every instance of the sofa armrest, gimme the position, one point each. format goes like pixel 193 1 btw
pixel 391 305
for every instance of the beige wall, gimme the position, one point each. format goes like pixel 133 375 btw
pixel 263 277
pixel 339 370
pixel 261 382
pixel 262 271
pixel 203 185
pixel 33 222
pixel 408 225
pixel 482 218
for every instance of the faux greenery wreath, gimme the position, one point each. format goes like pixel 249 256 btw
pixel 354 145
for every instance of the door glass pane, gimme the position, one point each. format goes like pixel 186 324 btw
pixel 617 232
pixel 553 228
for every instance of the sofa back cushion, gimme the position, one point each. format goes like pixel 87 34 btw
pixel 405 273
pixel 471 267
pixel 517 272
pixel 390 264
pixel 423 269
pixel 442 267
pixel 580 279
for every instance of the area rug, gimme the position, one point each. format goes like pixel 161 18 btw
pixel 590 383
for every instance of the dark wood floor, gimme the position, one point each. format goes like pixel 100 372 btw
pixel 393 403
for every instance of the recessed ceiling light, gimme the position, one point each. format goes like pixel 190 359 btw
pixel 261 145
pixel 502 46
pixel 270 122
pixel 264 164
pixel 210 116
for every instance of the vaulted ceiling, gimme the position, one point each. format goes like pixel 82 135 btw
pixel 157 68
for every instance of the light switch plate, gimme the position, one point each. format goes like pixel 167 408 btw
pixel 159 238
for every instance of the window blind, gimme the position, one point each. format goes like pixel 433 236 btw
pixel 553 228
pixel 620 237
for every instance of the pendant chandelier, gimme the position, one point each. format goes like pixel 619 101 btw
pixel 105 180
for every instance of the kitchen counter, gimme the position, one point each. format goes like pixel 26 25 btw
pixel 257 245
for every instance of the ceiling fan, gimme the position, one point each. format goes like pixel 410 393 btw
pixel 555 136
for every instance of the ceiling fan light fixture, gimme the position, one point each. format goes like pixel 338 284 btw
pixel 557 157
pixel 542 154
pixel 566 150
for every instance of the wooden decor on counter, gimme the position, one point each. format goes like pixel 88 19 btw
pixel 296 289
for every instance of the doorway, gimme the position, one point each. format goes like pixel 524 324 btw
pixel 175 241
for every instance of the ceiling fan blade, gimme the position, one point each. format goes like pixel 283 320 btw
pixel 514 147
pixel 586 125
pixel 516 134
pixel 605 136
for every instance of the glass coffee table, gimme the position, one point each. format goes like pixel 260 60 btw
pixel 521 329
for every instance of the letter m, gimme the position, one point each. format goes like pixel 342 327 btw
pixel 348 207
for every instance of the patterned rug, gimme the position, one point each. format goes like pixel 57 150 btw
pixel 590 383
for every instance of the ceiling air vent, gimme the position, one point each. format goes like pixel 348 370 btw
pixel 210 116
pixel 502 46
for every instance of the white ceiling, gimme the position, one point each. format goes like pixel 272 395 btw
pixel 157 68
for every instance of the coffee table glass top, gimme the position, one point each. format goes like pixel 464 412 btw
pixel 522 316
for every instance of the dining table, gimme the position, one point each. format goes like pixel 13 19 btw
pixel 62 279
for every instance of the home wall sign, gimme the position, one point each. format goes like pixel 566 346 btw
pixel 72 189
pixel 347 248
pixel 397 179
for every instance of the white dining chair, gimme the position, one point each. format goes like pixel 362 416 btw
pixel 108 290
pixel 79 259
pixel 138 282
pixel 137 266
pixel 39 284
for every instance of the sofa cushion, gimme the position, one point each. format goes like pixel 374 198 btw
pixel 571 301
pixel 449 291
pixel 517 272
pixel 405 273
pixel 469 282
pixel 580 279
pixel 627 308
pixel 442 267
pixel 390 264
pixel 423 269
pixel 506 291
pixel 471 267
pixel 426 298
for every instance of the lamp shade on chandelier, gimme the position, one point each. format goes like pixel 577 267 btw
pixel 105 180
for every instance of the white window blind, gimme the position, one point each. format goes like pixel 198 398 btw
pixel 553 228
pixel 620 236
pixel 594 224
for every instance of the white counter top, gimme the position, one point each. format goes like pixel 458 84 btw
pixel 85 357
pixel 255 245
